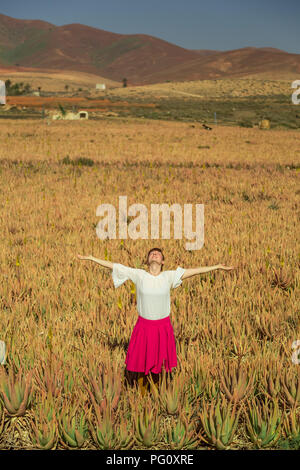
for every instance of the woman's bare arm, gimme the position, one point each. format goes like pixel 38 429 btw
pixel 102 262
pixel 193 271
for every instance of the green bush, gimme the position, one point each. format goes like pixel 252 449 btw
pixel 62 109
pixel 289 444
pixel 84 161
pixel 80 161
pixel 15 89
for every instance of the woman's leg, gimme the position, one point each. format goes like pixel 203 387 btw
pixel 142 381
pixel 158 377
pixel 132 378
pixel 155 378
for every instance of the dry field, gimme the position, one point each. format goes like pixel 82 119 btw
pixel 215 89
pixel 242 102
pixel 84 104
pixel 51 80
pixel 137 140
pixel 67 329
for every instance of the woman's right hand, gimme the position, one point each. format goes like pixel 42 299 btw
pixel 226 268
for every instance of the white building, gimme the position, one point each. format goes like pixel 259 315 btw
pixel 2 92
pixel 69 116
pixel 100 86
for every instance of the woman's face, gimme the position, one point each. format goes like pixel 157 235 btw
pixel 155 256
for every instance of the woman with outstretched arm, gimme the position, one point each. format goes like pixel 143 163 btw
pixel 152 343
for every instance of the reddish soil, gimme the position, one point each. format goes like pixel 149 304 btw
pixel 53 102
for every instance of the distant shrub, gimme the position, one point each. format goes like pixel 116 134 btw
pixel 80 161
pixel 273 206
pixel 66 160
pixel 246 196
pixel 84 161
pixel 62 109
pixel 245 124
pixel 15 89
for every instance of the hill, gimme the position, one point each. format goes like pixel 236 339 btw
pixel 140 58
pixel 55 80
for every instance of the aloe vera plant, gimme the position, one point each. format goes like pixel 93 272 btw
pixel 282 280
pixel 1 421
pixel 125 439
pixel 103 432
pixel 183 435
pixel 15 390
pixel 197 384
pixel 270 380
pixel 291 424
pixel 290 391
pixel 107 434
pixel 44 426
pixel 147 426
pixel 236 383
pixel 268 325
pixel 50 376
pixel 219 421
pixel 169 393
pixel 264 423
pixel 105 388
pixel 73 428
pixel 212 389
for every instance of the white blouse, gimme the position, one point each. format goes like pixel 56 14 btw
pixel 152 292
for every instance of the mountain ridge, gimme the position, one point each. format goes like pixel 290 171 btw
pixel 140 58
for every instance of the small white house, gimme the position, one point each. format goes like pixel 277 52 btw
pixel 69 116
pixel 83 115
pixel 100 86
pixel 2 92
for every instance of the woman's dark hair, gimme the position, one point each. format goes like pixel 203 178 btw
pixel 155 249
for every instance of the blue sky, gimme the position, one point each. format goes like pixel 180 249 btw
pixel 193 24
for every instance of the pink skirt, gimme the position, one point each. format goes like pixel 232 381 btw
pixel 152 346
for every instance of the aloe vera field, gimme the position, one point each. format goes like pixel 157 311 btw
pixel 67 329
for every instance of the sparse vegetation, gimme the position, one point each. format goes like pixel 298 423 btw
pixel 245 124
pixel 80 161
pixel 196 102
pixel 62 109
pixel 16 89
